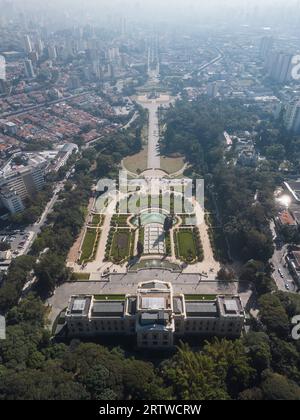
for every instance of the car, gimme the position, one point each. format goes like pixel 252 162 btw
pixel 287 287
pixel 280 273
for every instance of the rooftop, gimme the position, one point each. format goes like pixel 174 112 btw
pixel 201 309
pixel 294 188
pixel 79 305
pixel 287 219
pixel 108 309
pixel 296 257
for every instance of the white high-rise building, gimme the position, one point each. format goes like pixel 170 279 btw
pixel 266 45
pixel 18 182
pixel 28 44
pixel 212 90
pixel 292 117
pixel 29 71
pixel 52 53
pixel 40 46
pixel 280 67
pixel 11 201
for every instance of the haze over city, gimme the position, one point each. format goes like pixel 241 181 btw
pixel 265 12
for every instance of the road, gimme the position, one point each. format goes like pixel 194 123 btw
pixel 35 229
pixel 153 137
pixel 45 104
pixel 279 263
pixel 219 57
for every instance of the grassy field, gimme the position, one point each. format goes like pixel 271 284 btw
pixel 96 219
pixel 88 245
pixel 200 297
pixel 119 220
pixel 186 245
pixel 171 164
pixel 136 163
pixel 121 244
pixel 82 276
pixel 109 297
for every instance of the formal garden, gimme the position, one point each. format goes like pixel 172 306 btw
pixel 90 245
pixel 120 245
pixel 188 246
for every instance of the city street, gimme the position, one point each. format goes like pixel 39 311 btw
pixel 21 240
pixel 281 275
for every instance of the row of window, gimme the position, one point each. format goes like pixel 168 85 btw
pixel 154 344
pixel 154 336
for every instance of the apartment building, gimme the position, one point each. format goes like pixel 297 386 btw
pixel 292 117
pixel 155 316
pixel 20 181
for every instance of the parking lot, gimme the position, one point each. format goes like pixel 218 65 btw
pixel 18 240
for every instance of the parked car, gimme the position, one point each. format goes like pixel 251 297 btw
pixel 280 273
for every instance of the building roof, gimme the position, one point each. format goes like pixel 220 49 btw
pixel 201 309
pixel 286 218
pixel 79 305
pixel 296 256
pixel 108 308
pixel 294 188
pixel 132 303
pixel 153 303
pixel 177 305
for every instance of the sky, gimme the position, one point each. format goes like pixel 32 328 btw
pixel 168 10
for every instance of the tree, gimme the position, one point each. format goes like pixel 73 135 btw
pixel 50 272
pixel 97 382
pixel 253 394
pixel 276 152
pixel 83 165
pixel 225 274
pixel 276 387
pixel 142 382
pixel 140 248
pixel 258 346
pixel 273 315
pixel 50 383
pixel 232 364
pixel 194 376
pixel 4 246
pixel 168 223
pixel 18 274
pixel 30 309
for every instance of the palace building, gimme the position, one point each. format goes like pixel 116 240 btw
pixel 155 316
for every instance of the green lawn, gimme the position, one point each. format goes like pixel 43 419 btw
pixel 186 245
pixel 121 244
pixel 171 164
pixel 109 297
pixel 96 220
pixel 82 276
pixel 137 163
pixel 200 297
pixel 88 245
pixel 119 220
